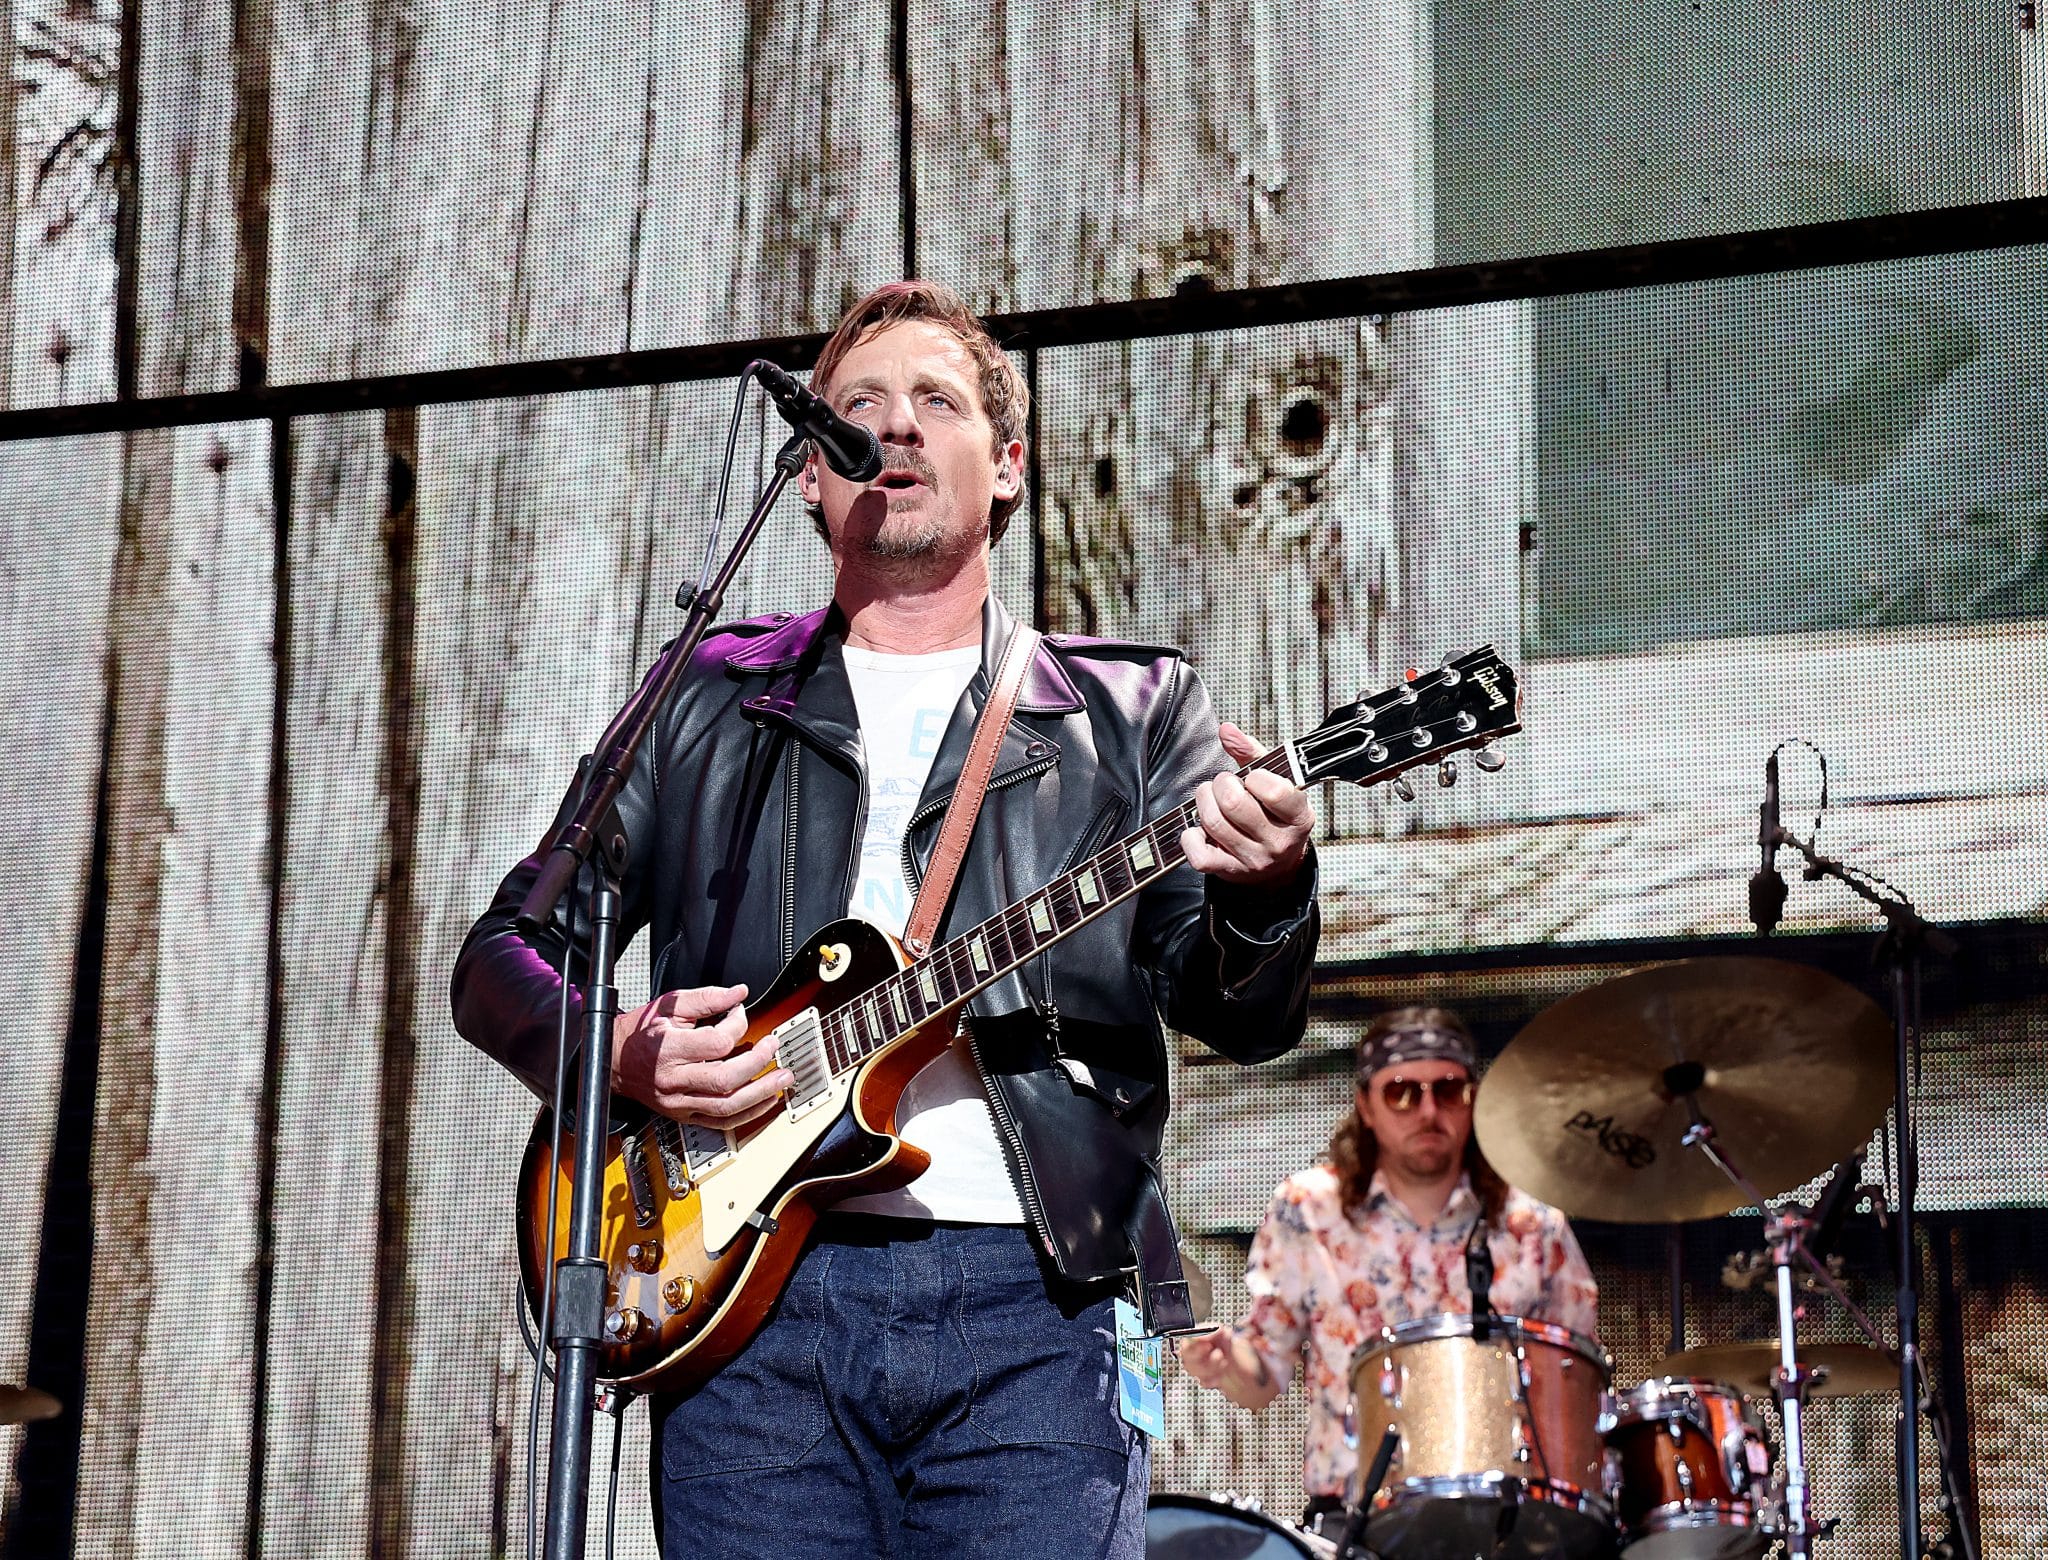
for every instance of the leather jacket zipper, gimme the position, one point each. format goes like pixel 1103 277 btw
pixel 789 857
pixel 1013 1148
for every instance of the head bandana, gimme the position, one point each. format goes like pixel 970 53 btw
pixel 1422 1044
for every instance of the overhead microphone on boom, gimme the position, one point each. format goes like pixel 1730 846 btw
pixel 1767 884
pixel 849 449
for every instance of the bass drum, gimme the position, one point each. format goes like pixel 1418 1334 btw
pixel 1217 1527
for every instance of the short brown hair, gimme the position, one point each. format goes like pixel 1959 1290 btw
pixel 1355 1153
pixel 1005 397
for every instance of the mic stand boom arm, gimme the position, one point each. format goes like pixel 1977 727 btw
pixel 593 831
pixel 1901 947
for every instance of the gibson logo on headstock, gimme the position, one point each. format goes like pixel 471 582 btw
pixel 1489 679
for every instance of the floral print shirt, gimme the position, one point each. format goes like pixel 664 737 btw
pixel 1323 1282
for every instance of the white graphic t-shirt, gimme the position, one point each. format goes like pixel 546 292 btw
pixel 905 702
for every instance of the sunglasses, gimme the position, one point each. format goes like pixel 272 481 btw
pixel 1401 1095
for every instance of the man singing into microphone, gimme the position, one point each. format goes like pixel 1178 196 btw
pixel 1383 1234
pixel 939 1376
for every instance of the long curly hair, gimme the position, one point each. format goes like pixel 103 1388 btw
pixel 1355 1153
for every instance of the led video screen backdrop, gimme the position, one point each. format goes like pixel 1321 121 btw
pixel 284 698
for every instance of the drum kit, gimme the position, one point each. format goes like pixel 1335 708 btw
pixel 1674 1093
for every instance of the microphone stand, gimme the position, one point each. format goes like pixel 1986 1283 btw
pixel 1900 948
pixel 594 835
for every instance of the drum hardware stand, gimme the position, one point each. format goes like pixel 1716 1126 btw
pixel 1900 948
pixel 1784 1229
pixel 1354 1525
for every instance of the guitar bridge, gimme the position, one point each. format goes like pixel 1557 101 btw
pixel 668 1144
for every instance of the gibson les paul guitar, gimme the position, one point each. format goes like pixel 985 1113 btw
pixel 702 1226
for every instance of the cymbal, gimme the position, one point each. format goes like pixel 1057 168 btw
pixel 19 1405
pixel 1586 1108
pixel 1839 1369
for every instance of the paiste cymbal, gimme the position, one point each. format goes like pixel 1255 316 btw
pixel 1586 1107
pixel 1839 1369
pixel 19 1405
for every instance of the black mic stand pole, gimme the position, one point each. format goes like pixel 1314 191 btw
pixel 1906 935
pixel 593 834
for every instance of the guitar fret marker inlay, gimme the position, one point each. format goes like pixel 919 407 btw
pixel 978 951
pixel 1142 859
pixel 1041 919
pixel 896 1001
pixel 1084 885
pixel 930 988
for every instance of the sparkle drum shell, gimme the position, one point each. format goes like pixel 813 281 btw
pixel 1695 1473
pixel 1500 1440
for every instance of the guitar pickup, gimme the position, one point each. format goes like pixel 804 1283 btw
pixel 639 1184
pixel 800 1047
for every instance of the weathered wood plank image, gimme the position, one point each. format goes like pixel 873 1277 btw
pixel 170 1410
pixel 295 671
pixel 1063 154
pixel 59 522
pixel 60 178
pixel 1233 494
pixel 695 176
pixel 235 193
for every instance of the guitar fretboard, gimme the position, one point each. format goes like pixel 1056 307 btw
pixel 957 969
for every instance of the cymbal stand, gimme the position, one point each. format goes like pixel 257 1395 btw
pixel 1907 936
pixel 1784 1233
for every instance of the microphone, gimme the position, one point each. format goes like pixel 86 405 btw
pixel 1479 1278
pixel 1766 885
pixel 849 449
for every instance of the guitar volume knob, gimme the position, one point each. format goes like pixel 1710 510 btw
pixel 644 1255
pixel 679 1293
pixel 623 1326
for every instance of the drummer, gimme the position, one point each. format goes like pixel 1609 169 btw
pixel 1378 1236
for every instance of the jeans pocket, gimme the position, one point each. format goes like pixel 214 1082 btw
pixel 1042 1374
pixel 765 1410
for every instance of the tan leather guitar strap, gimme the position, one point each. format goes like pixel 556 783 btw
pixel 937 887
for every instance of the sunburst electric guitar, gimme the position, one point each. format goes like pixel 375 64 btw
pixel 701 1226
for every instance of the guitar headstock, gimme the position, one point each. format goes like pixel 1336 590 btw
pixel 1464 703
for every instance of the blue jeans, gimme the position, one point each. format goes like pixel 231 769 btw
pixel 917 1396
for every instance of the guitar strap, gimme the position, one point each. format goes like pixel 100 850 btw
pixel 1166 1299
pixel 930 904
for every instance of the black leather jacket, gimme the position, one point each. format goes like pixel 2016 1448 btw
pixel 744 817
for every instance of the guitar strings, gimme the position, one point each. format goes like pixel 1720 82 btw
pixel 952 961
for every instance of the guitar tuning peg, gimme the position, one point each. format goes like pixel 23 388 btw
pixel 1447 774
pixel 1403 788
pixel 1490 759
pixel 1451 675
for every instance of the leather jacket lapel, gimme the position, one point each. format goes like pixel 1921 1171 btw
pixel 809 696
pixel 1047 691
